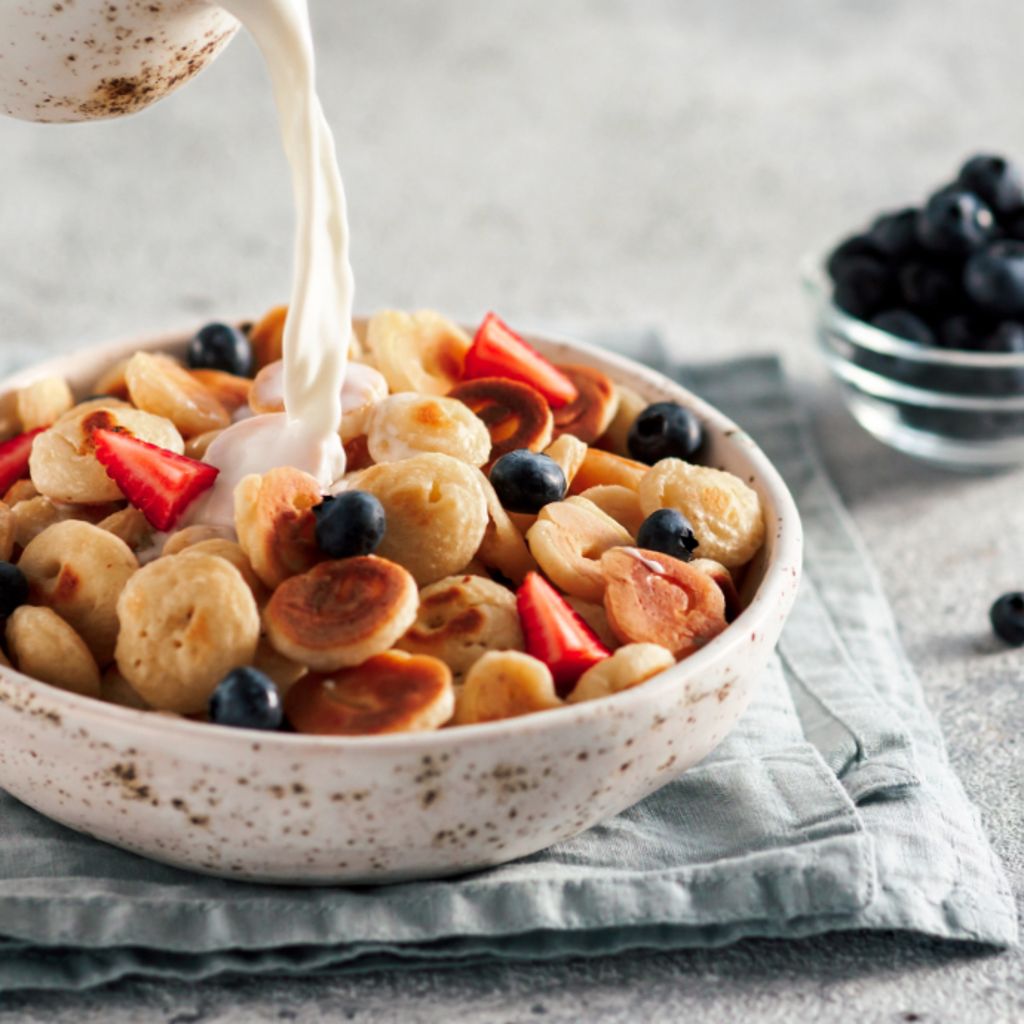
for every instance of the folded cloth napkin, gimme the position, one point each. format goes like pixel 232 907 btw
pixel 831 806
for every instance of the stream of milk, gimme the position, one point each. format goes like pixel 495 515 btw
pixel 319 324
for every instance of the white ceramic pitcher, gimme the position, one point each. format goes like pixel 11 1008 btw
pixel 79 60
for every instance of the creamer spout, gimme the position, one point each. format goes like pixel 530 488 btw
pixel 84 60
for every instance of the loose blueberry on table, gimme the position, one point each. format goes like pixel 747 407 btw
pixel 1007 615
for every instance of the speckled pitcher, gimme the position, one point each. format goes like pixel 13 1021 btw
pixel 80 60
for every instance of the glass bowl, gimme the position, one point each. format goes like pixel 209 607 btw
pixel 956 409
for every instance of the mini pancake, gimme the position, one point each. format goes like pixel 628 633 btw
pixel 342 612
pixel 590 415
pixel 392 692
pixel 568 540
pixel 600 469
pixel 569 452
pixel 726 583
pixel 724 510
pixel 159 385
pixel 275 523
pixel 79 570
pixel 460 619
pixel 516 415
pixel 652 598
pixel 505 684
pixel 627 667
pixel 267 336
pixel 421 351
pixel 229 389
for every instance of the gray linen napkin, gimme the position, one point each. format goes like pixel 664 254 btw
pixel 831 806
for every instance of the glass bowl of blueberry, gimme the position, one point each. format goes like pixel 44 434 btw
pixel 921 320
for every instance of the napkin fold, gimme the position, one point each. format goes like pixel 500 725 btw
pixel 832 806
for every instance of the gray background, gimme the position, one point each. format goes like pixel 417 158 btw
pixel 586 164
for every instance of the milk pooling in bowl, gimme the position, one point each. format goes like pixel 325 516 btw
pixel 319 324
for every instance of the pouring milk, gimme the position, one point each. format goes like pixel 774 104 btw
pixel 319 324
pixel 135 57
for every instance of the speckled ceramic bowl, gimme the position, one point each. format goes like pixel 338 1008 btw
pixel 301 809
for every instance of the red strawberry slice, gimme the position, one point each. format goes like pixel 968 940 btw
pixel 14 458
pixel 497 351
pixel 158 482
pixel 555 633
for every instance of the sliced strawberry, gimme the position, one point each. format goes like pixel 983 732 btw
pixel 158 482
pixel 497 351
pixel 555 633
pixel 14 457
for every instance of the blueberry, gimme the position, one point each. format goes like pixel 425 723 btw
pixel 665 430
pixel 995 181
pixel 247 699
pixel 13 588
pixel 526 481
pixel 852 248
pixel 954 221
pixel 929 288
pixel 895 234
pixel 221 347
pixel 864 286
pixel 964 330
pixel 1008 336
pixel 994 278
pixel 669 532
pixel 1013 226
pixel 1007 616
pixel 904 324
pixel 348 524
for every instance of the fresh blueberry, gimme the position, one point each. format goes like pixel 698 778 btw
pixel 929 288
pixel 994 278
pixel 995 181
pixel 669 532
pixel 13 588
pixel 1013 226
pixel 526 481
pixel 221 347
pixel 1007 615
pixel 246 699
pixel 955 222
pixel 964 330
pixel 864 286
pixel 895 234
pixel 348 524
pixel 904 324
pixel 1008 336
pixel 665 430
pixel 852 248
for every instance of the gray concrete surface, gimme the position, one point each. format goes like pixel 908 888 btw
pixel 593 163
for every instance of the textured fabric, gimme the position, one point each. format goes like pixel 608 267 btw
pixel 831 806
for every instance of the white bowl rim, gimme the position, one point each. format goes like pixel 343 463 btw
pixel 861 333
pixel 778 576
